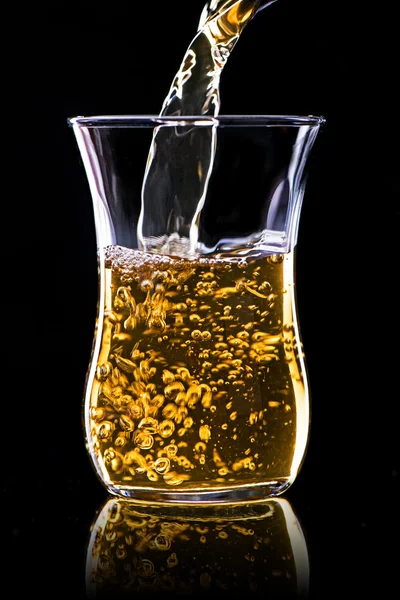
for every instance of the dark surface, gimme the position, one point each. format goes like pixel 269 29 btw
pixel 298 57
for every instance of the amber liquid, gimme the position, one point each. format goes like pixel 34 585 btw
pixel 198 381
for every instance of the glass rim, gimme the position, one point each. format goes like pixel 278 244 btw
pixel 104 121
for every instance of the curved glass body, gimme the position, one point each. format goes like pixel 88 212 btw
pixel 197 388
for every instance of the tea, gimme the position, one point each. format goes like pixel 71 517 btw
pixel 199 374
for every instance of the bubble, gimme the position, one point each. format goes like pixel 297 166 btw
pixel 180 415
pixel 146 285
pixel 120 441
pixel 181 307
pixel 275 259
pixel 98 414
pixel 222 367
pixel 105 430
pixel 188 422
pixel 200 447
pixel 162 276
pixel 152 475
pixel 209 276
pixel 167 376
pixel 111 536
pixel 205 433
pixel 162 542
pixel 157 401
pixel 238 383
pixel 173 478
pixel 121 553
pixel 106 564
pixel 114 460
pixel 126 423
pixel 237 466
pixel 196 334
pixel 166 428
pixel 162 465
pixel 135 409
pixel 184 462
pixel 172 450
pixel 265 287
pixel 173 389
pixel 104 371
pixel 223 471
pixel 156 323
pixel 253 418
pixel 243 335
pixel 206 400
pixel 145 568
pixel 135 462
pixel 149 424
pixel 266 358
pixel 192 396
pixel 143 440
pixel 237 363
pixel 221 346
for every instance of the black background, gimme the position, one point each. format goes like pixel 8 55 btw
pixel 297 57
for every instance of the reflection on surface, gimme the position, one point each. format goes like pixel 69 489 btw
pixel 256 549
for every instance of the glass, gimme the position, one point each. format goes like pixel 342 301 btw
pixel 249 549
pixel 197 388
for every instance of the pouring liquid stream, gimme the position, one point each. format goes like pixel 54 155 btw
pixel 194 91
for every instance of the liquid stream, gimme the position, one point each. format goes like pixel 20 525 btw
pixel 194 91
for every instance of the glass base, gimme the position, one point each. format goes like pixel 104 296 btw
pixel 223 495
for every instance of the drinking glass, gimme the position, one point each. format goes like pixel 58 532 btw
pixel 197 389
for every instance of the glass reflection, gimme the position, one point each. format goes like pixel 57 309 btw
pixel 251 549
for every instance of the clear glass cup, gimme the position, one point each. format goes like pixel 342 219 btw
pixel 197 388
pixel 257 549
